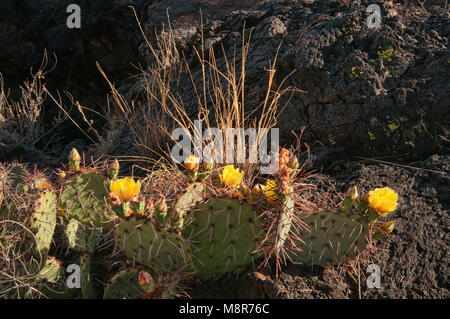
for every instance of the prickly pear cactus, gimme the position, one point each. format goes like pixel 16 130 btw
pixel 82 238
pixel 285 222
pixel 124 285
pixel 332 238
pixel 87 281
pixel 224 233
pixel 52 270
pixel 158 249
pixel 84 198
pixel 194 194
pixel 16 176
pixel 52 275
pixel 43 222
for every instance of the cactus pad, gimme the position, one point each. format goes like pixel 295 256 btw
pixel 284 225
pixel 87 281
pixel 224 234
pixel 155 248
pixel 43 222
pixel 84 198
pixel 52 271
pixel 332 238
pixel 124 285
pixel 193 195
pixel 82 238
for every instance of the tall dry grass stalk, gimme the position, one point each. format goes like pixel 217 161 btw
pixel 220 97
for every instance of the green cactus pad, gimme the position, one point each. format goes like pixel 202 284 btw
pixel 193 195
pixel 224 233
pixel 87 280
pixel 84 198
pixel 155 248
pixel 53 277
pixel 52 271
pixel 43 223
pixel 332 238
pixel 82 238
pixel 285 222
pixel 124 285
pixel 16 176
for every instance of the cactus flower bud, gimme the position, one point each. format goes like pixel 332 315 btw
pixel 138 204
pixel 161 211
pixel 284 157
pixel 162 206
pixel 74 160
pixel 205 170
pixel 284 186
pixel 350 198
pixel 115 165
pixel 62 174
pixel 149 205
pixel 352 193
pixel 388 227
pixel 192 163
pixel 114 169
pixel 245 190
pixel 293 163
pixel 144 278
pixel 207 166
pixel 384 229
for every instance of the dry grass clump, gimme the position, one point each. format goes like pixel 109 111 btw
pixel 147 113
pixel 22 119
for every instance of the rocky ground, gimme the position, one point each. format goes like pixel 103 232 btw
pixel 377 93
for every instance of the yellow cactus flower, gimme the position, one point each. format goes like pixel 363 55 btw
pixel 231 176
pixel 125 188
pixel 269 191
pixel 383 200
